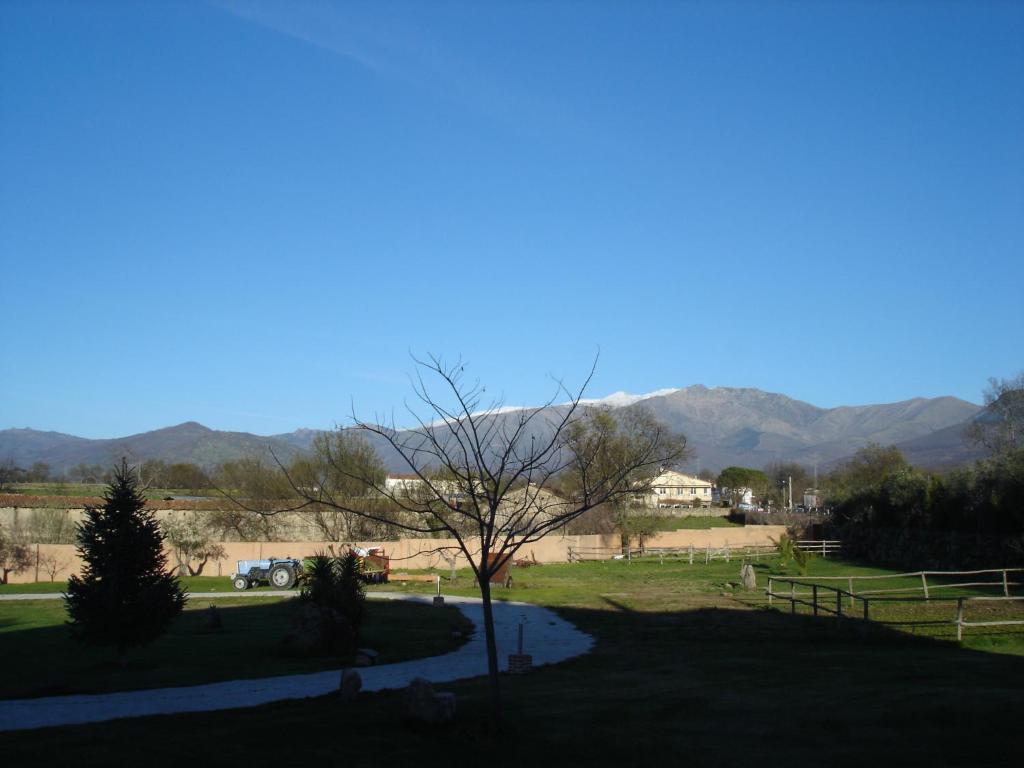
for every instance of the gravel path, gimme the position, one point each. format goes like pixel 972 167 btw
pixel 547 637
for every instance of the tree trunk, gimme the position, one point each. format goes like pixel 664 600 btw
pixel 492 649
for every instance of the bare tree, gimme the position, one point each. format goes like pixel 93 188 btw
pixel 257 489
pixel 52 564
pixel 9 474
pixel 483 475
pixel 15 554
pixel 337 458
pixel 51 526
pixel 190 538
pixel 1000 426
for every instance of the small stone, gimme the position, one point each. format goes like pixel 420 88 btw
pixel 446 705
pixel 350 684
pixel 748 576
pixel 212 620
pixel 366 657
pixel 425 706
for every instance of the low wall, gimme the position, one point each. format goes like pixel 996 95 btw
pixel 55 562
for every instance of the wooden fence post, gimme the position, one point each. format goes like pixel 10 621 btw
pixel 691 554
pixel 792 597
pixel 814 599
pixel 866 616
pixel 823 551
pixel 851 593
pixel 770 595
pixel 924 583
pixel 839 603
pixel 959 619
pixel 1006 585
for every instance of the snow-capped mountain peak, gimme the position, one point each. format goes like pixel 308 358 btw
pixel 622 399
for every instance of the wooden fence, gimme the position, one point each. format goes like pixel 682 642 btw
pixel 823 548
pixel 822 598
pixel 1001 581
pixel 692 554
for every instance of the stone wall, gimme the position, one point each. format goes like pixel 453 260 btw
pixel 412 554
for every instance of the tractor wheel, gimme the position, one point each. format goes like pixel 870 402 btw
pixel 282 577
pixel 240 583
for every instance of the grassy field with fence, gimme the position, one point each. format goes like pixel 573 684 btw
pixel 687 667
pixel 943 604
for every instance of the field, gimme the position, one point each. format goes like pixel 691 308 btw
pixel 51 663
pixel 688 668
pixel 98 489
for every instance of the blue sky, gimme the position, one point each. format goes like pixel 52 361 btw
pixel 249 213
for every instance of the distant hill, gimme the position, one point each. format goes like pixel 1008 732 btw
pixel 942 449
pixel 190 441
pixel 725 426
pixel 749 427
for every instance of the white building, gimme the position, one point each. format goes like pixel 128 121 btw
pixel 674 489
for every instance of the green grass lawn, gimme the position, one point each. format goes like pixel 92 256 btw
pixel 691 523
pixel 51 662
pixel 98 489
pixel 193 584
pixel 688 669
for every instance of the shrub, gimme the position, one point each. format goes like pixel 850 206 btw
pixel 333 604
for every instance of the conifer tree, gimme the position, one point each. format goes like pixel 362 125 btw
pixel 125 595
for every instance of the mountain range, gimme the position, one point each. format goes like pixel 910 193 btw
pixel 725 426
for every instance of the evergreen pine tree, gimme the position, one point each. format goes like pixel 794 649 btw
pixel 125 595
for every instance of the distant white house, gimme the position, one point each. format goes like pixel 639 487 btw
pixel 412 486
pixel 674 489
pixel 402 484
pixel 743 496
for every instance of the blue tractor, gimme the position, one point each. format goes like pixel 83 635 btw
pixel 277 572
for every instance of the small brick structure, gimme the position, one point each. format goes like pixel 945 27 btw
pixel 518 663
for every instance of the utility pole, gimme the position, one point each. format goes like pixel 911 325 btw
pixel 790 508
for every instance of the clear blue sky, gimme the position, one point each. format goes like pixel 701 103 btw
pixel 248 213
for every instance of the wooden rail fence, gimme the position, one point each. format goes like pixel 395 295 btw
pixel 828 599
pixel 689 553
pixel 823 548
pixel 1001 581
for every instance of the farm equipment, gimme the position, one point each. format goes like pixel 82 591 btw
pixel 279 573
pixel 375 565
